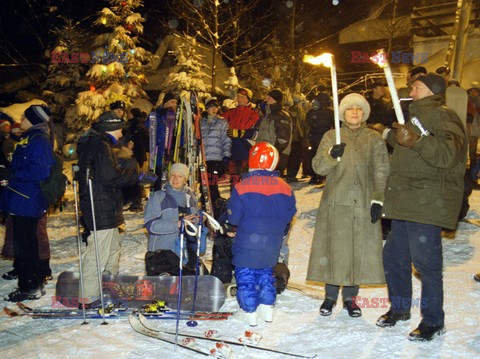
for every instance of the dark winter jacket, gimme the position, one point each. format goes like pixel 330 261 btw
pixel 261 205
pixel 95 151
pixel 276 128
pixel 137 132
pixel 242 118
pixel 381 111
pixel 426 181
pixel 31 163
pixel 214 138
pixel 318 123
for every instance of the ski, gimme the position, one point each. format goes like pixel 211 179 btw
pixel 152 140
pixel 95 314
pixel 139 328
pixel 204 185
pixel 113 312
pixel 144 321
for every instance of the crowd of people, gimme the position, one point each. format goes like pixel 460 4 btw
pixel 383 179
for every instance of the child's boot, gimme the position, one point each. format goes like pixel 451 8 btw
pixel 265 312
pixel 249 318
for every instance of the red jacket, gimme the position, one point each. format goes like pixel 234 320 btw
pixel 242 118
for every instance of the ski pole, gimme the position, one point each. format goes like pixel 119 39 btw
pixel 197 261
pixel 180 265
pixel 97 255
pixel 75 169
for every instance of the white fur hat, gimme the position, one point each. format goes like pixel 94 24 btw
pixel 179 168
pixel 354 99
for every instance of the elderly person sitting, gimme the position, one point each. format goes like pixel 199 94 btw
pixel 163 212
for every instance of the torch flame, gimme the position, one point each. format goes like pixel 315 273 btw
pixel 380 58
pixel 323 59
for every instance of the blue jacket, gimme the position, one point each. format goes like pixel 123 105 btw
pixel 215 140
pixel 31 163
pixel 161 220
pixel 261 205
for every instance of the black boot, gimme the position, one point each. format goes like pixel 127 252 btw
pixel 425 332
pixel 326 307
pixel 353 310
pixel 10 275
pixel 389 319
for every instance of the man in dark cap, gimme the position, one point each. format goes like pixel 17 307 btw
pixel 96 159
pixel 381 108
pixel 424 194
pixel 276 127
pixel 22 198
pixel 119 108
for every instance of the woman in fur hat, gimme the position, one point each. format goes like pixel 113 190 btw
pixel 347 244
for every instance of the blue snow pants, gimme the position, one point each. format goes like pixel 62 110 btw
pixel 255 287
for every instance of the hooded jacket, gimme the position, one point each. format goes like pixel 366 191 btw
pixel 31 163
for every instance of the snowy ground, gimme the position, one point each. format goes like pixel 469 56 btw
pixel 297 327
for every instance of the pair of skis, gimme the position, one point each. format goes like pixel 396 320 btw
pixel 140 324
pixel 65 313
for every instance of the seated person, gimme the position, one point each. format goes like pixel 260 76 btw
pixel 163 212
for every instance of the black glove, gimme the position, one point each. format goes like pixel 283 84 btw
pixel 147 177
pixel 376 212
pixel 337 150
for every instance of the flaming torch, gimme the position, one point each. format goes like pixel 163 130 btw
pixel 381 60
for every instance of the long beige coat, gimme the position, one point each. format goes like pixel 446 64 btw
pixel 347 247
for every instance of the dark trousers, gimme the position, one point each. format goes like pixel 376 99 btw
pixel 25 245
pixel 348 292
pixel 294 159
pixel 215 172
pixel 420 244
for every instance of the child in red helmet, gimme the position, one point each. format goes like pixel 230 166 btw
pixel 261 206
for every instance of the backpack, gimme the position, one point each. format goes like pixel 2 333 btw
pixel 54 186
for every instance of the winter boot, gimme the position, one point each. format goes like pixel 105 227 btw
pixel 249 318
pixel 425 332
pixel 326 307
pixel 20 295
pixel 353 310
pixel 476 276
pixel 389 319
pixel 265 312
pixel 10 275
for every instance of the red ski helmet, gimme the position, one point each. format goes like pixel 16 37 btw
pixel 263 156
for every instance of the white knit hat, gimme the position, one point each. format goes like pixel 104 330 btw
pixel 354 99
pixel 179 168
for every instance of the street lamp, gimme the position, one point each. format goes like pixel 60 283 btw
pixel 381 60
pixel 328 60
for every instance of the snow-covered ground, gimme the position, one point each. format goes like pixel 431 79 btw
pixel 297 326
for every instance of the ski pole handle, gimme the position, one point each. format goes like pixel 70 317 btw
pixel 213 223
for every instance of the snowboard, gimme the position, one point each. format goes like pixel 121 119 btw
pixel 135 291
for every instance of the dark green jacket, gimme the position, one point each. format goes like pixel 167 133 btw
pixel 426 181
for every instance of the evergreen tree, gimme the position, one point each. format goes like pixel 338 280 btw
pixel 119 64
pixel 191 71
